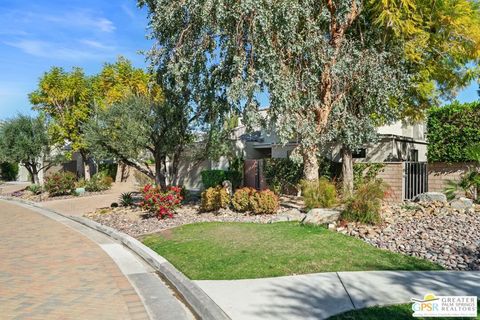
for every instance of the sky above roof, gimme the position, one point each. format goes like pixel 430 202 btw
pixel 36 35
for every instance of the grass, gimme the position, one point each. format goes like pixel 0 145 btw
pixel 248 250
pixel 395 312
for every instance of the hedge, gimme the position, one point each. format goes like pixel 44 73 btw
pixel 451 130
pixel 213 178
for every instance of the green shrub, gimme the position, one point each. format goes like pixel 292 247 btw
pixel 215 199
pixel 126 199
pixel 319 194
pixel 264 202
pixel 8 171
pixel 364 172
pixel 282 175
pixel 99 182
pixel 451 130
pixel 241 199
pixel 80 183
pixel 60 183
pixel 214 178
pixel 365 204
pixel 109 168
pixel 35 188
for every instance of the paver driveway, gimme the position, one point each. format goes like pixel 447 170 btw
pixel 49 271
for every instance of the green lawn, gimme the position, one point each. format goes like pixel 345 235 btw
pixel 397 312
pixel 248 250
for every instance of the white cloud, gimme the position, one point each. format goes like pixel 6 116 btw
pixel 82 19
pixel 96 44
pixel 47 49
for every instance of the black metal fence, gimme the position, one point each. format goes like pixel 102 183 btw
pixel 416 179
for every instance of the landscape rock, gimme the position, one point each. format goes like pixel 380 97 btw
pixel 437 231
pixel 319 216
pixel 462 204
pixel 430 197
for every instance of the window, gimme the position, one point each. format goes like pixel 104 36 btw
pixel 413 155
pixel 359 153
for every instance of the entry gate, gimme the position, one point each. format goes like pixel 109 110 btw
pixel 415 179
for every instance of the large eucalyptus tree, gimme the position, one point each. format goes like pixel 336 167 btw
pixel 298 52
pixel 289 48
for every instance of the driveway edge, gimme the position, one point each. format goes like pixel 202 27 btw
pixel 199 302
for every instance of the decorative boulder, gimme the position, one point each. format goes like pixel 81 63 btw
pixel 461 204
pixel 319 216
pixel 227 185
pixel 431 197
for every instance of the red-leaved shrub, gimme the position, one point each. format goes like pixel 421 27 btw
pixel 161 202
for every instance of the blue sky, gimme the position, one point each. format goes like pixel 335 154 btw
pixel 35 35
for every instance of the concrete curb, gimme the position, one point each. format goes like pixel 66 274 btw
pixel 199 302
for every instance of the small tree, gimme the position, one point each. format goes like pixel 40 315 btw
pixel 24 140
pixel 66 98
pixel 139 129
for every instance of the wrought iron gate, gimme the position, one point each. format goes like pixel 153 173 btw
pixel 415 179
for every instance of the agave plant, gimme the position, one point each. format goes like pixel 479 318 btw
pixel 470 181
pixel 126 199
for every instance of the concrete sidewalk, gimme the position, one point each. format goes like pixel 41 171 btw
pixel 319 296
pixel 81 205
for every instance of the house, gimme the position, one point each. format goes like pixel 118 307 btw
pixel 398 142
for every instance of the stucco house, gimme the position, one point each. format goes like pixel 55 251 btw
pixel 398 142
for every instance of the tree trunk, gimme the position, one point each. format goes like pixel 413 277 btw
pixel 30 172
pixel 86 167
pixel 310 163
pixel 347 171
pixel 160 179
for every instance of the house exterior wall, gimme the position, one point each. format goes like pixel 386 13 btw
pixel 405 129
pixel 440 173
pixel 396 143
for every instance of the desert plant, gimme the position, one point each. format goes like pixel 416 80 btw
pixel 215 199
pixel 161 202
pixel 241 199
pixel 35 189
pixel 365 204
pixel 319 194
pixel 60 183
pixel 364 172
pixel 469 182
pixel 264 202
pixel 99 182
pixel 126 199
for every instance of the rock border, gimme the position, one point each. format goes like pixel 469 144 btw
pixel 199 302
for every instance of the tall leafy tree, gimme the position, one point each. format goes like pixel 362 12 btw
pixel 296 51
pixel 66 98
pixel 25 140
pixel 441 41
pixel 378 86
pixel 289 48
pixel 119 80
pixel 138 129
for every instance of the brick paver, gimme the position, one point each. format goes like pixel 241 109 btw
pixel 49 271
